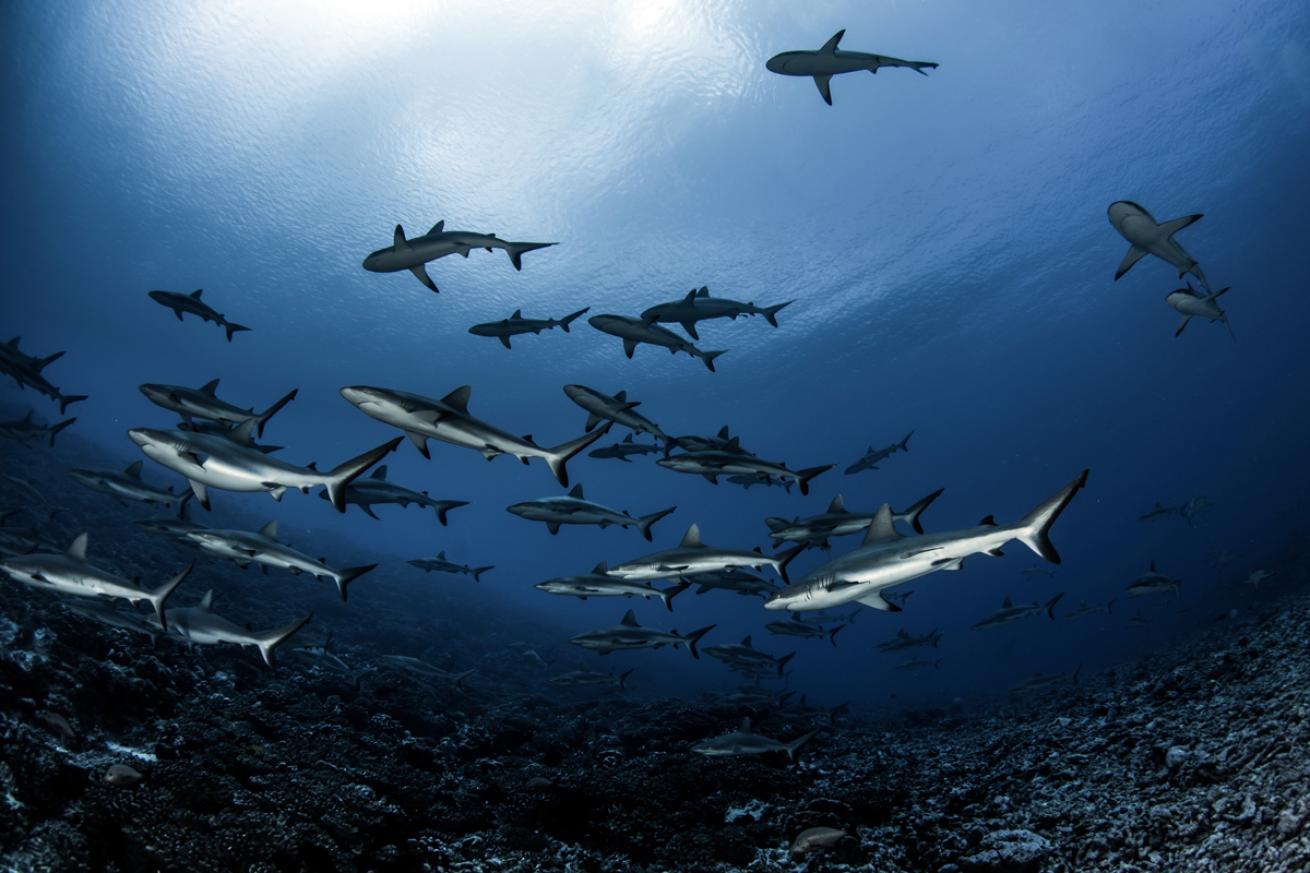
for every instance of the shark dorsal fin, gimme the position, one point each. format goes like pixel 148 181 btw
pixel 438 227
pixel 398 238
pixel 576 491
pixel 830 47
pixel 723 432
pixel 243 433
pixel 27 418
pixel 622 396
pixel 459 398
pixel 746 724
pixel 77 551
pixel 703 292
pixel 734 444
pixel 629 620
pixel 134 470
pixel 601 569
pixel 13 343
pixel 691 539
pixel 195 295
pixel 987 521
pixel 746 641
pixel 691 297
pixel 837 505
pixel 269 530
pixel 209 387
pixel 441 555
pixel 628 438
pixel 206 602
pixel 380 472
pixel 881 529
pixel 518 313
pixel 1007 602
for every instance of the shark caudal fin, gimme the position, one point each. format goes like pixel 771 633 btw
pixel 623 678
pixel 516 251
pixel 263 417
pixel 904 445
pixel 832 634
pixel 673 591
pixel 446 506
pixel 1035 528
pixel 694 637
pixel 646 522
pixel 350 574
pixel 159 596
pixel 67 400
pixel 232 328
pixel 1050 605
pixel 920 66
pixel 782 662
pixel 270 640
pixel 478 571
pixel 803 477
pixel 771 312
pixel 913 512
pixel 347 472
pixel 795 744
pixel 54 431
pixel 559 456
pixel 708 358
pixel 785 558
pixel 572 317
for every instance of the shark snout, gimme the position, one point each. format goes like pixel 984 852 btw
pixel 361 395
pixel 145 436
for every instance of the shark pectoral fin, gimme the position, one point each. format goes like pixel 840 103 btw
pixel 1169 228
pixel 201 492
pixel 178 313
pixel 420 442
pixel 422 275
pixel 629 346
pixel 877 601
pixel 690 328
pixel 552 526
pixel 949 564
pixel 275 490
pixel 821 82
pixel 1182 325
pixel 1134 255
pixel 368 510
pixel 504 341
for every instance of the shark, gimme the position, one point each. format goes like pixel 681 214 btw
pixel 26 371
pixel 192 304
pixel 831 61
pixel 177 526
pixel 712 464
pixel 213 461
pixel 516 324
pixel 412 254
pixel 71 573
pixel 617 408
pixel 1153 582
pixel 440 564
pixel 1186 511
pixel 625 449
pixel 241 434
pixel 634 332
pixel 598 583
pixel 424 670
pixel 449 420
pixel 745 658
pixel 1256 577
pixel 690 557
pixel 1085 608
pixel 794 627
pixel 12 355
pixel 1039 681
pixel 574 508
pixel 723 441
pixel 1193 305
pixel 263 547
pixel 1010 612
pixel 199 625
pixel 628 634
pixel 375 489
pixel 1146 236
pixel 744 741
pixel 905 640
pixel 886 558
pixel 584 676
pixel 739 581
pixel 840 521
pixel 203 403
pixel 919 664
pixel 698 305
pixel 869 460
pixel 124 486
pixel 25 430
pixel 762 479
pixel 108 614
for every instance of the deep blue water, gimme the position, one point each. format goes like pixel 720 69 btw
pixel 944 238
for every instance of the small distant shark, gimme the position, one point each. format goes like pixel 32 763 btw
pixel 191 303
pixel 735 580
pixel 173 527
pixel 591 677
pixel 700 306
pixel 1153 583
pixel 1193 305
pixel 1256 577
pixel 439 564
pixel 903 640
pixel 762 479
pixel 576 509
pixel 598 583
pixel 690 557
pixel 212 461
pixel 724 441
pixel 627 634
pixel 375 490
pixel 262 547
pixel 24 430
pixel 423 669
pixel 203 402
pixel 1086 608
pixel 70 573
pixel 516 324
pixel 830 61
pixel 618 409
pixel 1147 237
pixel 625 449
pixel 25 370
pixel 871 457
pixel 412 254
pixel 919 664
pixel 840 521
pixel 712 464
pixel 198 625
pixel 449 420
pixel 127 485
pixel 743 657
pixel 111 616
pixel 1039 682
pixel 794 627
pixel 634 332
pixel 1186 511
pixel 1010 612
pixel 745 742
pixel 886 558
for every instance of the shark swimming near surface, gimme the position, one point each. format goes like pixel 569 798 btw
pixel 1148 237
pixel 411 254
pixel 516 324
pixel 634 332
pixel 193 305
pixel 831 61
pixel 699 306
pixel 1193 305
pixel 869 460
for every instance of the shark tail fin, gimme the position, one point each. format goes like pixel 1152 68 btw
pixel 1109 605
pixel 348 471
pixel 572 317
pixel 159 596
pixel 54 431
pixel 786 558
pixel 68 400
pixel 623 678
pixel 673 591
pixel 695 637
pixel 708 358
pixel 478 571
pixel 446 507
pixel 782 662
pixel 232 328
pixel 915 510
pixel 832 634
pixel 270 640
pixel 1034 531
pixel 1050 605
pixel 350 575
pixel 559 456
pixel 919 66
pixel 771 312
pixel 904 445
pixel 273 410
pixel 804 476
pixel 646 522
pixel 516 251
pixel 795 744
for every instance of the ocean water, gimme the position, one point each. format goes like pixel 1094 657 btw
pixel 944 240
